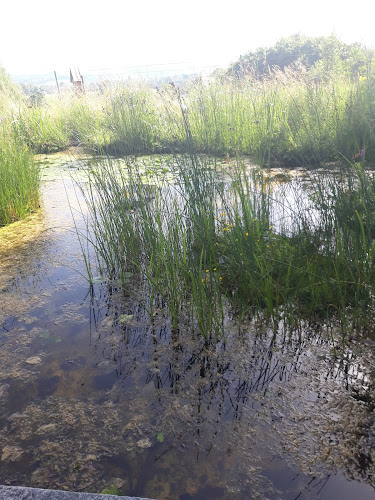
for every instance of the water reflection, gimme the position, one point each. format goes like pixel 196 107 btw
pixel 89 399
pixel 216 398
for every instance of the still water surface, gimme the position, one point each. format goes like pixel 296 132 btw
pixel 88 399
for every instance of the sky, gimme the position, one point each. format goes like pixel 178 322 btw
pixel 40 36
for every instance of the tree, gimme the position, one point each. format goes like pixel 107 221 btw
pixel 320 54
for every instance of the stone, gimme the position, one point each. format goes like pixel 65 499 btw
pixel 11 453
pixel 144 443
pixel 34 360
pixel 21 493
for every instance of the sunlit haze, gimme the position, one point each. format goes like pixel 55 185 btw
pixel 46 35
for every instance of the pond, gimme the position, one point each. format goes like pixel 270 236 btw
pixel 92 394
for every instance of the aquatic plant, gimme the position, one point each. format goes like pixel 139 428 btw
pixel 214 232
pixel 19 177
pixel 19 174
pixel 284 119
pixel 112 490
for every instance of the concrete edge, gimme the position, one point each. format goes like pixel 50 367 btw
pixel 23 493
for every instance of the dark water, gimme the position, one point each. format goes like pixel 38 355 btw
pixel 91 398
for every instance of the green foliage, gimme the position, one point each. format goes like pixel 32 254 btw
pixel 112 490
pixel 321 55
pixel 19 178
pixel 133 116
pixel 297 49
pixel 289 118
pixel 213 234
pixel 160 437
pixel 19 175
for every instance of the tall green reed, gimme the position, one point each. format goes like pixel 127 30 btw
pixel 285 119
pixel 210 230
pixel 19 177
pixel 217 231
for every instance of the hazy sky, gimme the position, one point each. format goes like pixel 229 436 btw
pixel 44 35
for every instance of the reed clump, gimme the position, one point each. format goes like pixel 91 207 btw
pixel 207 233
pixel 19 178
pixel 287 118
pixel 212 233
pixel 19 174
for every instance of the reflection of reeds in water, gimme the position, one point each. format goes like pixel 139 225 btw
pixel 255 380
pixel 284 254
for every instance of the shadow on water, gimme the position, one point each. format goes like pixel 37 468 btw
pixel 89 400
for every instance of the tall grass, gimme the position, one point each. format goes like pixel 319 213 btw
pixel 208 233
pixel 19 174
pixel 197 233
pixel 61 121
pixel 19 178
pixel 285 119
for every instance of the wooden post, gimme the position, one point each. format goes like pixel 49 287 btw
pixel 57 83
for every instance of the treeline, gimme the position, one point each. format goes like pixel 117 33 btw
pixel 320 56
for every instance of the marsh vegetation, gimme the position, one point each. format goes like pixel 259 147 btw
pixel 197 230
pixel 210 270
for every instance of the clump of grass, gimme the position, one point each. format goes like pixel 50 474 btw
pixel 60 121
pixel 19 178
pixel 134 121
pixel 19 175
pixel 207 233
pixel 217 233
pixel 284 119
